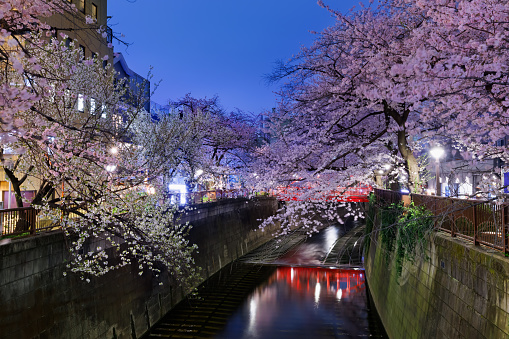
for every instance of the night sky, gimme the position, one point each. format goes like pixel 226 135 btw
pixel 223 47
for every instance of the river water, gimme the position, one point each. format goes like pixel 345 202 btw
pixel 293 297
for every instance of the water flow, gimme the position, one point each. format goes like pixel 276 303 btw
pixel 291 299
pixel 303 302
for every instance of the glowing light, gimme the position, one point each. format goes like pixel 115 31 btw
pixel 198 173
pixel 387 166
pixel 111 168
pixel 182 189
pixel 437 152
pixel 114 150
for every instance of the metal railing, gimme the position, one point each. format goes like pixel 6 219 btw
pixel 387 197
pixel 22 221
pixel 480 221
pixel 213 195
pixel 28 220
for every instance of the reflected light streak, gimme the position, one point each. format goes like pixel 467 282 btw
pixel 339 294
pixel 302 278
pixel 331 236
pixel 253 308
pixel 317 293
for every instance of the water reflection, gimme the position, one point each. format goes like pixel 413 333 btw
pixel 314 249
pixel 299 302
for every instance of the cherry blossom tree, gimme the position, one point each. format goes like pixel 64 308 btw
pixel 226 138
pixel 100 161
pixel 99 158
pixel 382 85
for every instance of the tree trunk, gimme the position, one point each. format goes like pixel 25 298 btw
pixel 16 186
pixel 412 166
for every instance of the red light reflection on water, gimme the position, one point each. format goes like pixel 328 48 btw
pixel 335 281
pixel 304 302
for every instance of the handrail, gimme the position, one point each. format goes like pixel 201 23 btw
pixel 479 221
pixel 26 220
pixel 201 197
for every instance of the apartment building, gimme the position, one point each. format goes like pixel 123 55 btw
pixel 93 43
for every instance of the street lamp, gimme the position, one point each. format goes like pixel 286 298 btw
pixel 111 168
pixel 437 152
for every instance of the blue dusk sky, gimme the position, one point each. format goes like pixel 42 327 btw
pixel 221 47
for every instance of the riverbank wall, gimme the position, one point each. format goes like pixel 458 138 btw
pixel 455 290
pixel 38 301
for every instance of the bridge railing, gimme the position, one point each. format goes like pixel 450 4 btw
pixel 479 221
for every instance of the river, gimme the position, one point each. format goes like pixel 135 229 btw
pixel 294 296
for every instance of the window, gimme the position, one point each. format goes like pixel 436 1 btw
pixel 82 6
pixel 117 121
pixel 82 50
pixel 103 110
pixel 67 42
pixel 92 106
pixel 94 11
pixel 68 101
pixel 94 55
pixel 81 102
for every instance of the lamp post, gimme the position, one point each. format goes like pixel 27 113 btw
pixel 437 152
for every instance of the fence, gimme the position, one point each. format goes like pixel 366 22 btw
pixel 480 221
pixel 21 221
pixel 26 220
pixel 213 195
pixel 386 196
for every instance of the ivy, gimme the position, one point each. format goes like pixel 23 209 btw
pixel 415 225
pixel 403 231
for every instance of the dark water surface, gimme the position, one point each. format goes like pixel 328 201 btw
pixel 281 300
pixel 306 303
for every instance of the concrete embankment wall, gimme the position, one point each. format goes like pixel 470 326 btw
pixel 38 301
pixel 460 291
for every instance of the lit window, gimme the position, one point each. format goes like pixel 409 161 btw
pixel 92 106
pixel 68 101
pixel 82 5
pixel 117 121
pixel 94 11
pixel 81 102
pixel 103 111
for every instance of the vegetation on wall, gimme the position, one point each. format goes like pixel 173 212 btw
pixel 403 230
pixel 414 226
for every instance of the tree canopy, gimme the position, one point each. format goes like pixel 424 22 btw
pixel 387 81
